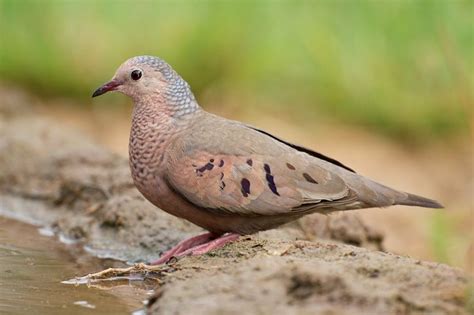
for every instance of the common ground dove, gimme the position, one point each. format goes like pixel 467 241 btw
pixel 225 176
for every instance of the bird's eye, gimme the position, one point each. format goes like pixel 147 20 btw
pixel 136 75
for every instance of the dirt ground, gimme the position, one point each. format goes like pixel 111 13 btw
pixel 56 177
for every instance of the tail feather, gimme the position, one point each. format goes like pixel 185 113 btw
pixel 418 201
pixel 372 194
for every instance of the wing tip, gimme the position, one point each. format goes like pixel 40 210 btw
pixel 418 201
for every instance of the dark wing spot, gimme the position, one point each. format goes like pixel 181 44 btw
pixel 269 177
pixel 222 185
pixel 245 184
pixel 291 167
pixel 221 163
pixel 250 162
pixel 271 184
pixel 207 167
pixel 267 169
pixel 211 160
pixel 309 178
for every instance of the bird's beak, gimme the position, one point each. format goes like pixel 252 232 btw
pixel 109 86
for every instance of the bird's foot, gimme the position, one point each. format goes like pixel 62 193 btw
pixel 214 244
pixel 183 246
pixel 196 245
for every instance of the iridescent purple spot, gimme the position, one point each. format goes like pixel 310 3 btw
pixel 271 184
pixel 245 184
pixel 222 184
pixel 207 167
pixel 270 180
pixel 267 169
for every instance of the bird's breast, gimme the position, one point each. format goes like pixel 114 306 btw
pixel 147 147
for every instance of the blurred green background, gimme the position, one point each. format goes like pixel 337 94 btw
pixel 401 68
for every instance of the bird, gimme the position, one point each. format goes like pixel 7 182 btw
pixel 227 177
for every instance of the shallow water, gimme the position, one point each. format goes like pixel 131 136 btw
pixel 32 266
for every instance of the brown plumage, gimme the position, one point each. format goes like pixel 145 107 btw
pixel 223 175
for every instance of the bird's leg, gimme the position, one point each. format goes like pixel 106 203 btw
pixel 213 244
pixel 185 245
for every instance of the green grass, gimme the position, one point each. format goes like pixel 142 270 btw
pixel 402 68
pixel 450 237
pixel 470 298
pixel 442 232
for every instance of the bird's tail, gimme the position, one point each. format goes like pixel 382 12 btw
pixel 418 201
pixel 373 194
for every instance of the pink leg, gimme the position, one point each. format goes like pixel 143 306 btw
pixel 185 245
pixel 206 247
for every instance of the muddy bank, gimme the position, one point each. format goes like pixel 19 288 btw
pixel 55 177
pixel 300 277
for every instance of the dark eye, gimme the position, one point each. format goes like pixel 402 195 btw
pixel 136 75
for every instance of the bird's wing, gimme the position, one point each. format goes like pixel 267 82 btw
pixel 246 172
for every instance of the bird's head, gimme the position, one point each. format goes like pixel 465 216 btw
pixel 145 78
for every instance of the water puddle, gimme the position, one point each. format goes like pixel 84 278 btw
pixel 33 265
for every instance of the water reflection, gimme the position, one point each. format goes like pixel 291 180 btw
pixel 32 266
